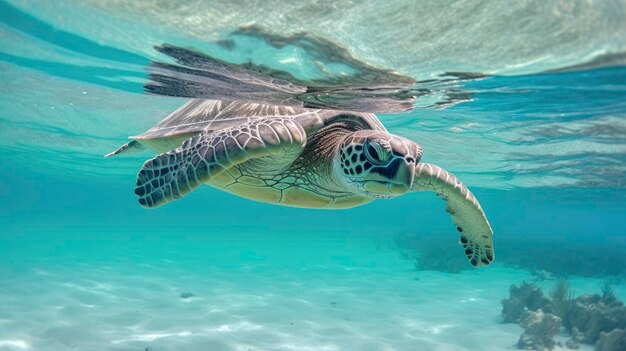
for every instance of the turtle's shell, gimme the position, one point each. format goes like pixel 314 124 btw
pixel 210 116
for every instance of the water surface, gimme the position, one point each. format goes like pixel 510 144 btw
pixel 539 136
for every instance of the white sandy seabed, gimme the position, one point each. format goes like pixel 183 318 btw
pixel 373 300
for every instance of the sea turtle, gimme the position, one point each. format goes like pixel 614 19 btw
pixel 292 156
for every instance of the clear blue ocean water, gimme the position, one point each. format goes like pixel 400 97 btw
pixel 540 140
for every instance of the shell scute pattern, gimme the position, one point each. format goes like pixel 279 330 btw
pixel 202 157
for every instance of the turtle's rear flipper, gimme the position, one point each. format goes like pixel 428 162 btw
pixel 197 75
pixel 174 174
pixel 471 223
pixel 132 147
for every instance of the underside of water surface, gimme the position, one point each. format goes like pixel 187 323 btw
pixel 524 102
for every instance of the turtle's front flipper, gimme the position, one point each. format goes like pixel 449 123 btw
pixel 470 220
pixel 174 174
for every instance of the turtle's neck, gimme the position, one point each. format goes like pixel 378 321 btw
pixel 317 159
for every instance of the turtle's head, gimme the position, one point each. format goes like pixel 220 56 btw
pixel 377 164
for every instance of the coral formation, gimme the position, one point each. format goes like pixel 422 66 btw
pixel 591 319
pixel 562 298
pixel 608 289
pixel 614 340
pixel 539 330
pixel 525 297
pixel 575 339
pixel 592 315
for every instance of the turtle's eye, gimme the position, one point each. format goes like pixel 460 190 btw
pixel 376 153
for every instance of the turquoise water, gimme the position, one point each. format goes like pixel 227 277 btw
pixel 541 143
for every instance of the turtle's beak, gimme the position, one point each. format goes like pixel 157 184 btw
pixel 403 180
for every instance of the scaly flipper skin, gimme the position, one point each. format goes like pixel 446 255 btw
pixel 174 174
pixel 131 147
pixel 470 220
